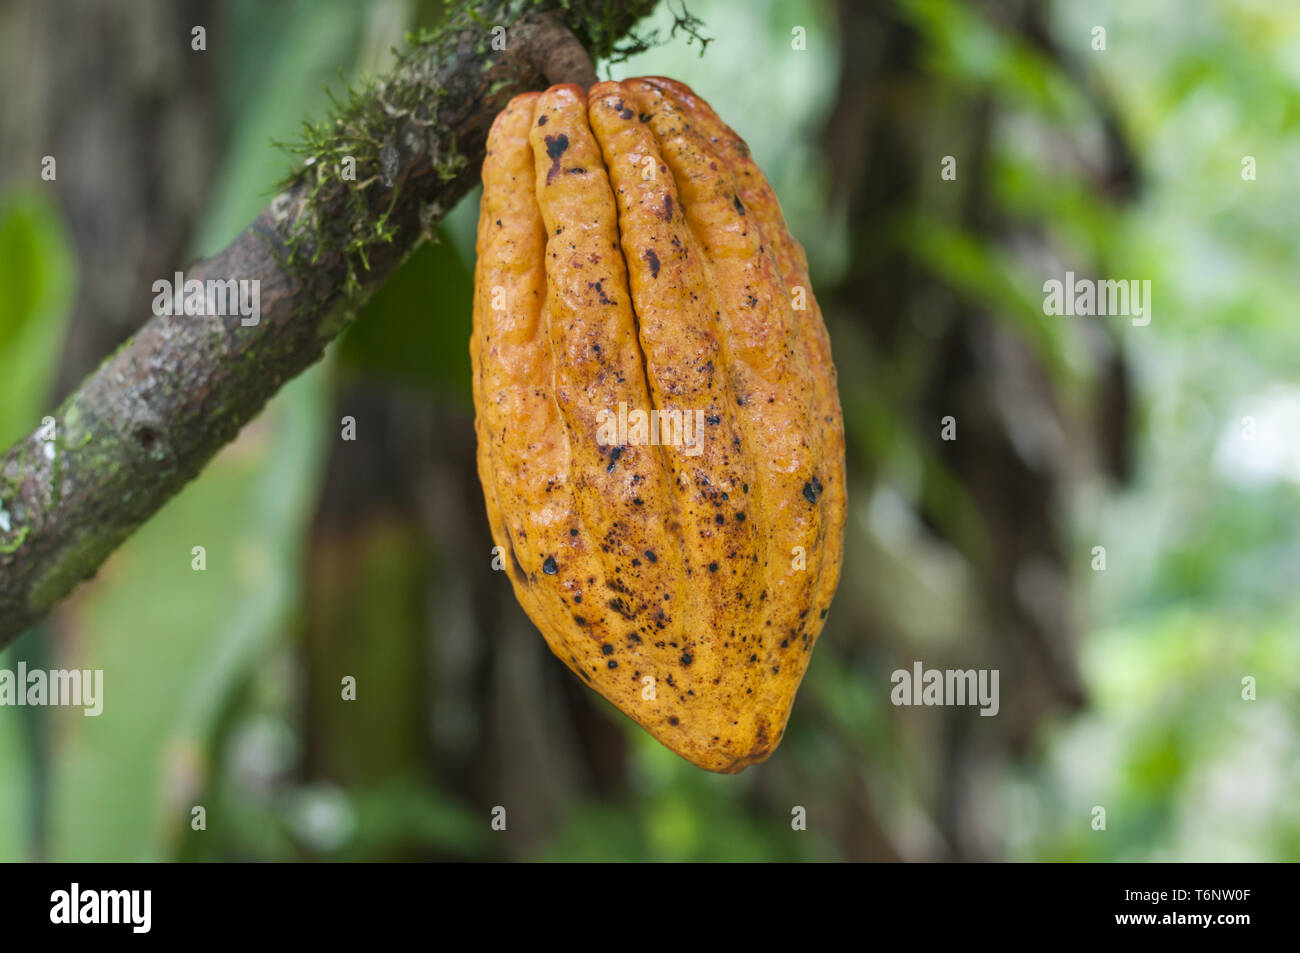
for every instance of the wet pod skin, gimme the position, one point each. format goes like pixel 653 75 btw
pixel 632 257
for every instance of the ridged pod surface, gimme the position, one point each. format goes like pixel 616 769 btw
pixel 633 258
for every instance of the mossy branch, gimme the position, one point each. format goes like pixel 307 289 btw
pixel 152 416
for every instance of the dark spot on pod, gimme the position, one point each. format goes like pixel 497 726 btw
pixel 613 458
pixel 785 643
pixel 575 170
pixel 638 501
pixel 555 145
pixel 584 674
pixel 686 658
pixel 740 517
pixel 650 555
pixel 549 567
pixel 645 117
pixel 823 614
pixel 812 490
pixel 776 669
pixel 735 200
pixel 714 419
pixel 752 301
pixel 745 487
pixel 619 606
pixel 672 720
pixel 740 401
pixel 636 562
pixel 612 664
pixel 713 567
pixel 753 658
pixel 719 519
pixel 633 637
pixel 578 598
pixel 667 212
pixel 653 259
pixel 498 223
pixel 607 649
pixel 573 532
pixel 580 620
pixel 600 291
pixel 542 120
pixel 623 111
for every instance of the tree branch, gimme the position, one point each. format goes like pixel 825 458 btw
pixel 153 414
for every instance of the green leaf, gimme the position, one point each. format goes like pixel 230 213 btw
pixel 16 779
pixel 37 273
pixel 416 329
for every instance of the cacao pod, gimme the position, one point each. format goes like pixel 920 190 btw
pixel 632 258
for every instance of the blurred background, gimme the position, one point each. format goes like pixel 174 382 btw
pixel 1174 447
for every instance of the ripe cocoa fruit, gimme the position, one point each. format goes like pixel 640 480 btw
pixel 632 257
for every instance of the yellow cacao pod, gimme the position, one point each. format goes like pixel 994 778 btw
pixel 659 434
